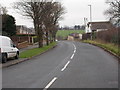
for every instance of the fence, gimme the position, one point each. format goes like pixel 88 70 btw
pixel 111 36
pixel 86 36
pixel 22 41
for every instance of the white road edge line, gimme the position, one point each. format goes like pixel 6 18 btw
pixel 65 66
pixel 53 80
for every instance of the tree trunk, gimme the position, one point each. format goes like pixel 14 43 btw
pixel 47 40
pixel 54 38
pixel 51 39
pixel 40 40
pixel 39 36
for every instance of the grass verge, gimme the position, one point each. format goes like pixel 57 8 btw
pixel 36 51
pixel 108 46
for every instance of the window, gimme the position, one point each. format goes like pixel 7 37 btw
pixel 11 43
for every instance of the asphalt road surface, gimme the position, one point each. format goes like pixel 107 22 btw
pixel 69 65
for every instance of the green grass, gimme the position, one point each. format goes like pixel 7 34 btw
pixel 36 51
pixel 65 33
pixel 109 46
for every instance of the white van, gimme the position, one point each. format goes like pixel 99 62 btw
pixel 7 49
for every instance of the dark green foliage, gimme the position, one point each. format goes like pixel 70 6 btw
pixel 8 25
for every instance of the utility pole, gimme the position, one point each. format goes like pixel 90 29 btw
pixel 90 12
pixel 85 23
pixel 91 19
pixel 0 21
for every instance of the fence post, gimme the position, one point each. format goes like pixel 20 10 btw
pixel 32 40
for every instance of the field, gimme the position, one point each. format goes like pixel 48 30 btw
pixel 65 33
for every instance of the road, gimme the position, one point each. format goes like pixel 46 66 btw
pixel 69 65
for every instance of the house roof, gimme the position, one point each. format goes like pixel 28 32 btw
pixel 100 25
pixel 99 22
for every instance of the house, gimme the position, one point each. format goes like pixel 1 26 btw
pixel 23 30
pixel 98 26
pixel 70 38
pixel 73 36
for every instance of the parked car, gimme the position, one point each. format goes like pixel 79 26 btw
pixel 7 49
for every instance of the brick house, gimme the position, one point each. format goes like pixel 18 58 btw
pixel 23 30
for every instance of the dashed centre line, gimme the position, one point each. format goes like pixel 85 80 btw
pixel 65 66
pixel 73 52
pixel 74 46
pixel 53 80
pixel 72 56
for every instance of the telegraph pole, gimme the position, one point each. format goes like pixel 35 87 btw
pixel 91 19
pixel 90 12
pixel 0 21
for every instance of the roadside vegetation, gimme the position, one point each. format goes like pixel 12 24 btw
pixel 8 23
pixel 36 51
pixel 108 46
pixel 109 39
pixel 65 33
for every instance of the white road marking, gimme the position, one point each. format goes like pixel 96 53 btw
pixel 65 66
pixel 72 56
pixel 53 80
pixel 74 51
pixel 74 46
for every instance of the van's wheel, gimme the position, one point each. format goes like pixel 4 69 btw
pixel 4 58
pixel 17 56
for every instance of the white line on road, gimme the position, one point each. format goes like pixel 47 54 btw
pixel 72 56
pixel 53 80
pixel 74 51
pixel 65 66
pixel 74 46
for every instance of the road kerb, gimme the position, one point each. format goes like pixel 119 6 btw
pixel 110 52
pixel 14 62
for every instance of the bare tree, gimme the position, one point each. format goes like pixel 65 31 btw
pixel 59 10
pixel 53 13
pixel 35 11
pixel 45 16
pixel 47 22
pixel 114 11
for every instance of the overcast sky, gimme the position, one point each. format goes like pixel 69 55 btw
pixel 76 10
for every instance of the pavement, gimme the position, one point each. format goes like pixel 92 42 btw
pixel 29 47
pixel 11 61
pixel 69 65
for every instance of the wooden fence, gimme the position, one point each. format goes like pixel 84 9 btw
pixel 21 41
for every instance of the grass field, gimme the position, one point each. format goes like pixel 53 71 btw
pixel 65 33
